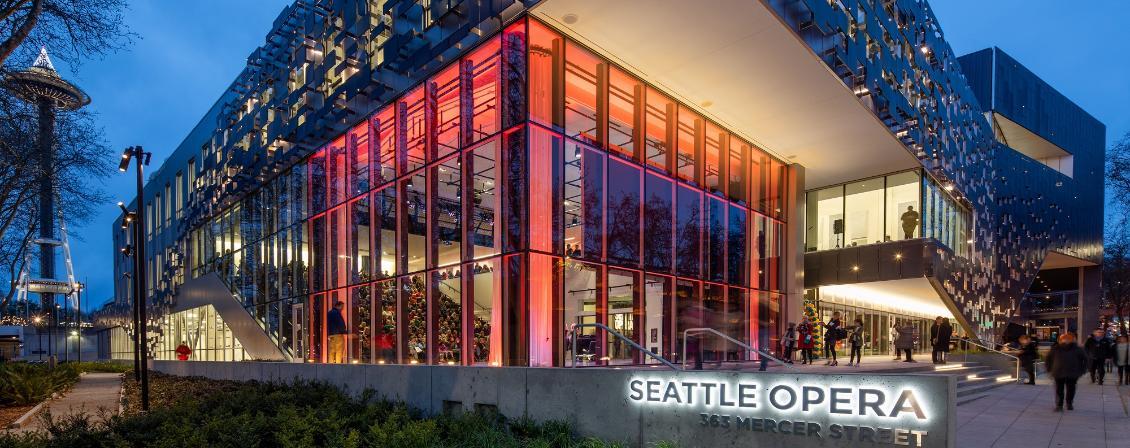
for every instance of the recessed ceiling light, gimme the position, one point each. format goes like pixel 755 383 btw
pixel 706 103
pixel 569 18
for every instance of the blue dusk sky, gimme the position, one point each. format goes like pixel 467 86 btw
pixel 153 93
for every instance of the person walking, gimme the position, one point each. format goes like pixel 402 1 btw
pixel 806 340
pixel 1122 359
pixel 940 335
pixel 337 332
pixel 1027 355
pixel 1098 348
pixel 1066 362
pixel 905 341
pixel 855 339
pixel 832 335
pixel 788 343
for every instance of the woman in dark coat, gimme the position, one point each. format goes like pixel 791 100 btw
pixel 905 341
pixel 1066 362
pixel 940 335
pixel 831 338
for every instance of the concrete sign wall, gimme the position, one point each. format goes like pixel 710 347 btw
pixel 642 406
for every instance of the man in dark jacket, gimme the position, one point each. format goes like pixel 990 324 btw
pixel 1027 354
pixel 1066 362
pixel 337 331
pixel 1098 349
pixel 940 334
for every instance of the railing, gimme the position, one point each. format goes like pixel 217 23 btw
pixel 965 354
pixel 696 331
pixel 614 333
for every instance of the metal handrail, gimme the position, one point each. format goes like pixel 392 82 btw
pixel 687 334
pixel 978 344
pixel 633 344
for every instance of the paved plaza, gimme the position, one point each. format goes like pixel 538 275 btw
pixel 96 394
pixel 1023 416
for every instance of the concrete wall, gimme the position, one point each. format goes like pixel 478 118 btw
pixel 600 403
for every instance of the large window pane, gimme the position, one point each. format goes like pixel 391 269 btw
pixel 688 314
pixel 658 317
pixel 689 145
pixel 581 83
pixel 583 204
pixel 384 323
pixel 546 59
pixel 688 231
pixel 447 309
pixel 623 298
pixel 715 140
pixel 414 212
pixel 317 182
pixel 623 213
pixel 445 88
pixel 384 124
pixel 546 191
pixel 384 217
pixel 904 217
pixel 658 216
pixel 737 169
pixel 484 223
pixel 486 78
pixel 357 143
pixel 825 220
pixel 487 313
pixel 625 94
pixel 413 294
pixel 659 118
pixel 581 287
pixel 447 212
pixel 863 204
pixel 737 261
pixel 416 130
pixel 716 230
pixel 361 336
pixel 337 168
pixel 360 257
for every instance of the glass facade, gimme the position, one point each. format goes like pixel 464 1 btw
pixel 523 189
pixel 899 206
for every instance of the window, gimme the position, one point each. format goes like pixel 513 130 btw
pixel 337 166
pixel 863 207
pixel 625 94
pixel 658 231
pixel 581 288
pixel 412 107
pixel 357 143
pixel 447 303
pixel 688 231
pixel 414 213
pixel 659 118
pixel 904 213
pixel 581 90
pixel 583 204
pixel 484 222
pixel 360 256
pixel 384 125
pixel 715 142
pixel 486 340
pixel 825 223
pixel 486 81
pixel 737 169
pixel 384 234
pixel 413 293
pixel 545 90
pixel 445 88
pixel 623 228
pixel 447 212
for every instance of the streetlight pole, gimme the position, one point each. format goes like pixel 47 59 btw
pixel 140 298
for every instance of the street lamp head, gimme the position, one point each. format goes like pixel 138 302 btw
pixel 127 155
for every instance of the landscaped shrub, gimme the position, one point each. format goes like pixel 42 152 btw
pixel 200 412
pixel 23 384
pixel 100 366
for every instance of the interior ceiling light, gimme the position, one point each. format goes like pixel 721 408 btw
pixel 569 18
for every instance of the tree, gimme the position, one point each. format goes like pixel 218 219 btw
pixel 1116 276
pixel 72 29
pixel 1118 172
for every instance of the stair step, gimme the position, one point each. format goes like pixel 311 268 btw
pixel 970 398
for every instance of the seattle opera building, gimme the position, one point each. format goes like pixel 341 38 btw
pixel 472 183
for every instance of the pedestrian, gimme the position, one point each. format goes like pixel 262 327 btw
pixel 892 336
pixel 1066 362
pixel 855 339
pixel 1122 359
pixel 1098 348
pixel 940 335
pixel 1027 355
pixel 805 340
pixel 905 341
pixel 832 335
pixel 788 342
pixel 337 332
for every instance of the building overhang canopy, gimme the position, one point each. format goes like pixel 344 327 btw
pixel 740 64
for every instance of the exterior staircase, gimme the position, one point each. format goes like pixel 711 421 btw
pixel 974 380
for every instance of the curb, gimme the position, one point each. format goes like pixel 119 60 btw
pixel 121 394
pixel 22 422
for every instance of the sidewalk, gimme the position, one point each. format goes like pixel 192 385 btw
pixel 96 394
pixel 1022 416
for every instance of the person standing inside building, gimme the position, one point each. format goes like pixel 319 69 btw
pixel 940 335
pixel 337 331
pixel 905 341
pixel 892 336
pixel 806 341
pixel 1122 359
pixel 1098 349
pixel 788 343
pixel 855 339
pixel 1027 355
pixel 1066 362
pixel 909 222
pixel 832 335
